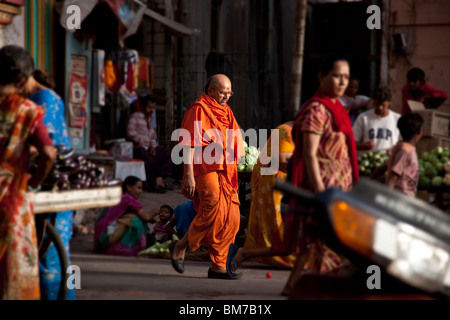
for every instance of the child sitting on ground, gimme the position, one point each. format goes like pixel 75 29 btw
pixel 403 165
pixel 163 229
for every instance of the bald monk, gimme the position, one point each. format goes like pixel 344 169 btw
pixel 213 187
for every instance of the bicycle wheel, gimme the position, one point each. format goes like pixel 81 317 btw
pixel 62 255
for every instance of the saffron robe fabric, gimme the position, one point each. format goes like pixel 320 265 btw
pixel 215 200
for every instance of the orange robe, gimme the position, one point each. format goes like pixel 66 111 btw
pixel 215 201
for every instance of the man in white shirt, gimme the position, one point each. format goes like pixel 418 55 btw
pixel 376 129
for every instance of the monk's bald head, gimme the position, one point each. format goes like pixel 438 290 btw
pixel 220 88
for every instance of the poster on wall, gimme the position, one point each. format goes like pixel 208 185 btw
pixel 78 86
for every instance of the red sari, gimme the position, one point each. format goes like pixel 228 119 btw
pixel 338 165
pixel 19 270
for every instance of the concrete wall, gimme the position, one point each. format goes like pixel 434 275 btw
pixel 196 48
pixel 426 25
pixel 14 32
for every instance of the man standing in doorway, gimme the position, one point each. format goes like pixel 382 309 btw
pixel 213 187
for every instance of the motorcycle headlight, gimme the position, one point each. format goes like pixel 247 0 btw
pixel 416 257
pixel 353 227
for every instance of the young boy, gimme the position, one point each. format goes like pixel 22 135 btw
pixel 416 89
pixel 376 129
pixel 403 165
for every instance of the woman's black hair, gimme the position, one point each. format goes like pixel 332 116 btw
pixel 15 64
pixel 129 181
pixel 168 208
pixel 43 78
pixel 328 62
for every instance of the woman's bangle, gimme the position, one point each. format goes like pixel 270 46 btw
pixel 31 189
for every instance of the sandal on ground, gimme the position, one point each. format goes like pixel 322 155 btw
pixel 218 275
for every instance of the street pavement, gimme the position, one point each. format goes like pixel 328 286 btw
pixel 105 277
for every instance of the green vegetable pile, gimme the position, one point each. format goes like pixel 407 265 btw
pixel 433 165
pixel 158 248
pixel 369 161
pixel 251 157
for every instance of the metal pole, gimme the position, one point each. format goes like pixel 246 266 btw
pixel 180 83
pixel 169 80
pixel 297 57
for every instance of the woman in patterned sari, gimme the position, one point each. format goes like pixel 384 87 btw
pixel 20 127
pixel 324 156
pixel 265 221
pixel 40 91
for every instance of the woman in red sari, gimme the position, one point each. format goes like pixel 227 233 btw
pixel 324 156
pixel 20 127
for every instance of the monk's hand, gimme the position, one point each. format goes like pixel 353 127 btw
pixel 189 187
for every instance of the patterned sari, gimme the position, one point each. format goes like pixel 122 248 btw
pixel 265 224
pixel 337 159
pixel 19 271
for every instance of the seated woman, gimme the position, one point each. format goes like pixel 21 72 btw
pixel 122 229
